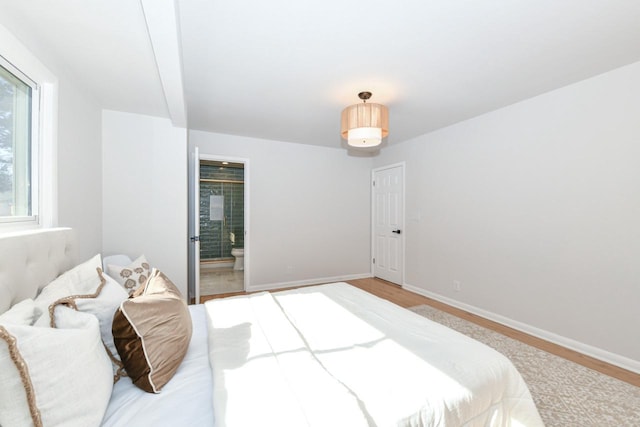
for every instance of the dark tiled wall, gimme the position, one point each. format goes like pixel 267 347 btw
pixel 214 235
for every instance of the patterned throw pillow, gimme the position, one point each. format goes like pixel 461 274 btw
pixel 131 276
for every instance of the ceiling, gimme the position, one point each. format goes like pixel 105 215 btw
pixel 285 69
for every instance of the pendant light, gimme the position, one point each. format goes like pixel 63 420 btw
pixel 364 125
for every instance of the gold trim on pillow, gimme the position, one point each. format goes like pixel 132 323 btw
pixel 69 301
pixel 23 369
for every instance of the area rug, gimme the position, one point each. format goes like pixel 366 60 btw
pixel 567 394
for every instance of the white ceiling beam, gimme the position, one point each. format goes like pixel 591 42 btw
pixel 162 20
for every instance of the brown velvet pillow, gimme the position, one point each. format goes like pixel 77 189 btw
pixel 151 331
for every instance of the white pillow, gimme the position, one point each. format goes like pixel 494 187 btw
pixel 87 289
pixel 59 376
pixel 23 313
pixel 82 279
pixel 131 276
pixel 104 307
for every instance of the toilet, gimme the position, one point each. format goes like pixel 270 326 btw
pixel 238 253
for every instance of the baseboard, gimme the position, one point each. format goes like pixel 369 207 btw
pixel 278 285
pixel 586 349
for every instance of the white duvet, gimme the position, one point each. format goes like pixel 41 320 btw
pixel 333 355
pixel 184 401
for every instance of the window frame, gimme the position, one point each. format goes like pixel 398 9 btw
pixel 34 165
pixel 22 58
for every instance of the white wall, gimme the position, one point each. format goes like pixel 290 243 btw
pixel 535 208
pixel 80 168
pixel 309 209
pixel 77 176
pixel 144 167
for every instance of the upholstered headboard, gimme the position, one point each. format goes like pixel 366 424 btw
pixel 30 260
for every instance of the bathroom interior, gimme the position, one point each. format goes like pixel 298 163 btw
pixel 221 227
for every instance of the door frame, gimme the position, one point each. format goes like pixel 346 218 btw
pixel 195 215
pixel 402 166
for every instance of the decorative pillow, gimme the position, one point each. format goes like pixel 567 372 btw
pixel 152 331
pixel 23 313
pixel 102 302
pixel 115 259
pixel 86 289
pixel 54 376
pixel 133 275
pixel 80 280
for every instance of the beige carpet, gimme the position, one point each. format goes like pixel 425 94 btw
pixel 567 394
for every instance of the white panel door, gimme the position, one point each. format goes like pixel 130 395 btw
pixel 388 223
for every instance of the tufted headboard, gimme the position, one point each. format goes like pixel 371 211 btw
pixel 30 260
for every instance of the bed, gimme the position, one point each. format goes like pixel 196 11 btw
pixel 328 355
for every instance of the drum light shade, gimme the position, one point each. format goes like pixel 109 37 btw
pixel 364 125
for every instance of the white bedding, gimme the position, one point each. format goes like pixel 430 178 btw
pixel 185 400
pixel 334 355
pixel 329 355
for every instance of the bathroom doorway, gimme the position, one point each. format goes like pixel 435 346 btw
pixel 221 215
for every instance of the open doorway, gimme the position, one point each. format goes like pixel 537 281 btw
pixel 221 216
pixel 219 220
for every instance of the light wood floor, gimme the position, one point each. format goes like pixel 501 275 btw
pixel 404 298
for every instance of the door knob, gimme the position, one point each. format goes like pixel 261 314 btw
pixel 396 231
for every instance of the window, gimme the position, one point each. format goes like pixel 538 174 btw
pixel 19 102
